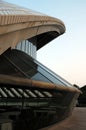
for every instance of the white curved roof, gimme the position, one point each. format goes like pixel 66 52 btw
pixel 17 23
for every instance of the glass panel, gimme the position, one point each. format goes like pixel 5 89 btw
pixel 19 64
pixel 38 71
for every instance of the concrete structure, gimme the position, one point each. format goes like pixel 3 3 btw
pixel 30 93
pixel 18 24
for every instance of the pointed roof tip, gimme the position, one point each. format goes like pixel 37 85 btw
pixel 9 9
pixel 20 23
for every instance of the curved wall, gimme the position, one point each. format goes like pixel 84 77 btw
pixel 27 47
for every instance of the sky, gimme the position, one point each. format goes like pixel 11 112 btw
pixel 65 55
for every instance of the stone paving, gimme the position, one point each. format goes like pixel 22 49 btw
pixel 77 121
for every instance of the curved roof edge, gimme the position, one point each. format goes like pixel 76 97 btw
pixel 17 24
pixel 25 82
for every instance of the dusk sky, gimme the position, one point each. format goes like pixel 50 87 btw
pixel 66 54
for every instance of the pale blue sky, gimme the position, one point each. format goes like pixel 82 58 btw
pixel 66 54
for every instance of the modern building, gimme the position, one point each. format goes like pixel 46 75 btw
pixel 30 93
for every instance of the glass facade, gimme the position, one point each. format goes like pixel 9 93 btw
pixel 20 64
pixel 36 70
pixel 27 47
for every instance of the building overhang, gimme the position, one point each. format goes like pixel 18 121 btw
pixel 17 24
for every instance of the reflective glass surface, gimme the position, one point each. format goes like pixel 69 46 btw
pixel 18 63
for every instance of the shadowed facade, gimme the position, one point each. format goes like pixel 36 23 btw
pixel 30 93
